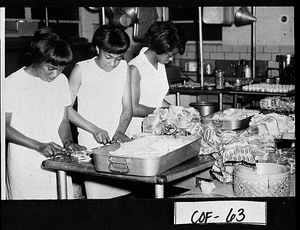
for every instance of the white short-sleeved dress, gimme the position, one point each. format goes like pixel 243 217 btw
pixel 37 109
pixel 100 102
pixel 153 87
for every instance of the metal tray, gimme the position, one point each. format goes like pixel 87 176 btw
pixel 138 166
pixel 233 124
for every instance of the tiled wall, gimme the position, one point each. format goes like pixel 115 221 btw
pixel 274 35
pixel 217 52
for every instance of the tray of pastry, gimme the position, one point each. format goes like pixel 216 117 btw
pixel 149 155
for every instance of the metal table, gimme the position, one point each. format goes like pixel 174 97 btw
pixel 232 91
pixel 189 167
pixel 198 91
pixel 237 92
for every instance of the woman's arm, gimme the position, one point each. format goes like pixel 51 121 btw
pixel 139 110
pixel 126 114
pixel 14 136
pixel 100 135
pixel 65 134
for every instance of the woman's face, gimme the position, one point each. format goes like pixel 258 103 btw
pixel 166 57
pixel 48 72
pixel 108 61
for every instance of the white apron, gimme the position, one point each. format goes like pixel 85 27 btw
pixel 37 110
pixel 154 87
pixel 100 102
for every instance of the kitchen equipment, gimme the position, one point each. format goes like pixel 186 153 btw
pixel 242 69
pixel 238 83
pixel 218 15
pixel 230 119
pixel 191 66
pixel 243 17
pixel 120 18
pixel 248 72
pixel 220 79
pixel 270 76
pixel 271 80
pixel 266 180
pixel 205 108
pixel 208 69
pixel 286 68
pixel 144 166
pixel 132 12
pixel 238 70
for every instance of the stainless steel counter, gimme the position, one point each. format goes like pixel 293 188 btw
pixel 230 91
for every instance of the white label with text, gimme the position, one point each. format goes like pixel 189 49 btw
pixel 245 212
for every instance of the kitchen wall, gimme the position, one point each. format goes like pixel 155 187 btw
pixel 274 35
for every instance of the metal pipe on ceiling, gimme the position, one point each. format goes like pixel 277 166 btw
pixel 253 44
pixel 201 48
pixel 103 15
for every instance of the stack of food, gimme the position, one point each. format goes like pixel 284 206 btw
pixel 278 104
pixel 248 147
pixel 150 146
pixel 175 120
pixel 271 88
pixel 277 125
pixel 234 114
pixel 287 157
pixel 71 155
pixel 229 147
pixel 256 144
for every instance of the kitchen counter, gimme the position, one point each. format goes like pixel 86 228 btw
pixel 197 91
pixel 230 91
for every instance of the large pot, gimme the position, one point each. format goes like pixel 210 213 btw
pixel 205 108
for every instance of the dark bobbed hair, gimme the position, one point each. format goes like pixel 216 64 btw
pixel 111 39
pixel 165 36
pixel 51 47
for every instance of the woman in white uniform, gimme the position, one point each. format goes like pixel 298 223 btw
pixel 102 87
pixel 36 98
pixel 149 83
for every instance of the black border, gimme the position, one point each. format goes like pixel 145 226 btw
pixel 141 214
pixel 147 3
pixel 131 214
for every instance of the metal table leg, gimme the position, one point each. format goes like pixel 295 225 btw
pixel 221 101
pixel 61 185
pixel 159 191
pixel 177 98
pixel 235 100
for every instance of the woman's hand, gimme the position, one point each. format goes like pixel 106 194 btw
pixel 73 146
pixel 101 136
pixel 120 137
pixel 49 149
